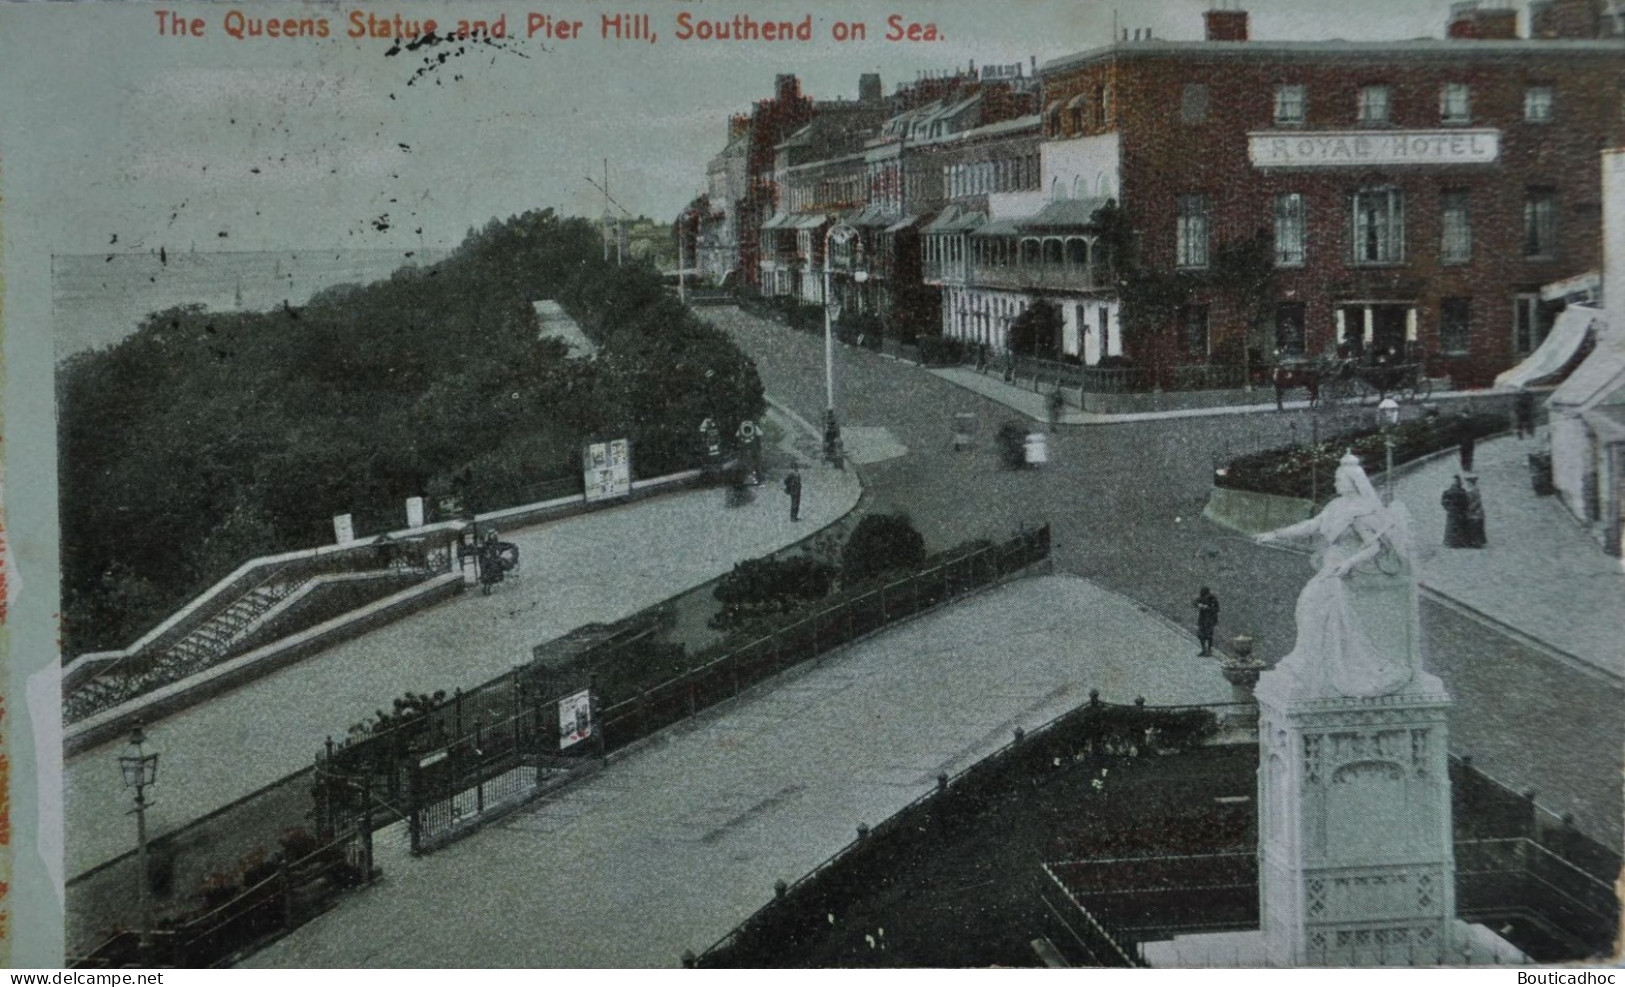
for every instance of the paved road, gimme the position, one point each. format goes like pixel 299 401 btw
pixel 1126 500
pixel 671 847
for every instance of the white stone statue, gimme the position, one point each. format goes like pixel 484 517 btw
pixel 1358 628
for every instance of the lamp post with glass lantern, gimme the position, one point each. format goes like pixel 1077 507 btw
pixel 140 769
pixel 1388 416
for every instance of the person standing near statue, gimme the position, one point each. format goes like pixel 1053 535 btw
pixel 1454 501
pixel 1207 620
pixel 1475 515
pixel 792 486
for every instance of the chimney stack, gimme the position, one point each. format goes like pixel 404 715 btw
pixel 1226 25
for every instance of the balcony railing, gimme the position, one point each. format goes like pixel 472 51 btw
pixel 949 271
pixel 1057 277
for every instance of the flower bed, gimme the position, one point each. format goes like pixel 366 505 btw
pixel 1306 471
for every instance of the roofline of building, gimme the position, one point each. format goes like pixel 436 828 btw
pixel 1416 48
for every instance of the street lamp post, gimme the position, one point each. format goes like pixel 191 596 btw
pixel 832 428
pixel 140 769
pixel 1388 414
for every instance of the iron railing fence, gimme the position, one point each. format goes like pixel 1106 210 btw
pixel 270 898
pixel 439 765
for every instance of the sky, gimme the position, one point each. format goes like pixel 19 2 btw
pixel 218 143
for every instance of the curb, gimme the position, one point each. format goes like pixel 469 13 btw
pixel 1612 678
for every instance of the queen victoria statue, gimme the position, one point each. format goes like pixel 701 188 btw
pixel 1357 619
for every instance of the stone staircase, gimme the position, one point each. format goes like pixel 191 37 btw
pixel 205 645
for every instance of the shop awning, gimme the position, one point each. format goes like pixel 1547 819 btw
pixel 810 222
pixel 907 222
pixel 1568 333
pixel 1599 375
pixel 778 222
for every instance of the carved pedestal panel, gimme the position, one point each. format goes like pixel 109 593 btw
pixel 1355 856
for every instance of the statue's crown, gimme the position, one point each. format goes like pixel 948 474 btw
pixel 1349 459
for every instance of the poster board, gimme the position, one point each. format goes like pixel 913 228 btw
pixel 607 469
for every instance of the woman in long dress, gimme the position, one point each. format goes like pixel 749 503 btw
pixel 1357 616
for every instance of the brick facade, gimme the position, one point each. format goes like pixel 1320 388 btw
pixel 1185 112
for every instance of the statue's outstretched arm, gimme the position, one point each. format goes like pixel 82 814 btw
pixel 1302 529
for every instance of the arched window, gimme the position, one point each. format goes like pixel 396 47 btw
pixel 1052 250
pixel 1077 251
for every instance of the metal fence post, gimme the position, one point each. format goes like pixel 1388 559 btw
pixel 366 832
pixel 479 772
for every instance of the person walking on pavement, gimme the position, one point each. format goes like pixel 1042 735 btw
pixel 792 486
pixel 1057 404
pixel 1523 407
pixel 1465 429
pixel 1454 500
pixel 1207 619
pixel 1475 515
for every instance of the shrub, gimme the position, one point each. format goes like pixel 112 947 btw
pixel 769 585
pixel 1308 470
pixel 936 351
pixel 879 543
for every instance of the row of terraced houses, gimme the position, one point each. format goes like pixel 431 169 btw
pixel 1213 202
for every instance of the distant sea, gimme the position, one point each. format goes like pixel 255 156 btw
pixel 99 299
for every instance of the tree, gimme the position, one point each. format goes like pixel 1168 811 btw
pixel 1037 330
pixel 879 543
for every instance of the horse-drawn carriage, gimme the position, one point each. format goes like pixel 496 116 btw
pixel 1350 380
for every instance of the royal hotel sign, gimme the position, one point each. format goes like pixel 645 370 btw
pixel 1364 148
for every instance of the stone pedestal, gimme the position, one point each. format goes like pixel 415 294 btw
pixel 1356 866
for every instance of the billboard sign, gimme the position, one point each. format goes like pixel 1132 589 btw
pixel 575 719
pixel 607 467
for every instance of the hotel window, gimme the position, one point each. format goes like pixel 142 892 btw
pixel 1537 104
pixel 1456 242
pixel 1290 101
pixel 1379 226
pixel 1192 232
pixel 1289 230
pixel 1453 322
pixel 1373 104
pixel 1530 322
pixel 1193 327
pixel 1540 223
pixel 1193 103
pixel 1454 103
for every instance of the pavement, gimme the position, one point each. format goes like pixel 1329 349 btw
pixel 595 567
pixel 1541 575
pixel 670 847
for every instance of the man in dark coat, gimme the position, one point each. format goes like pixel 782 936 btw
pixel 1207 618
pixel 1465 429
pixel 1454 502
pixel 792 486
pixel 1475 515
pixel 1523 407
